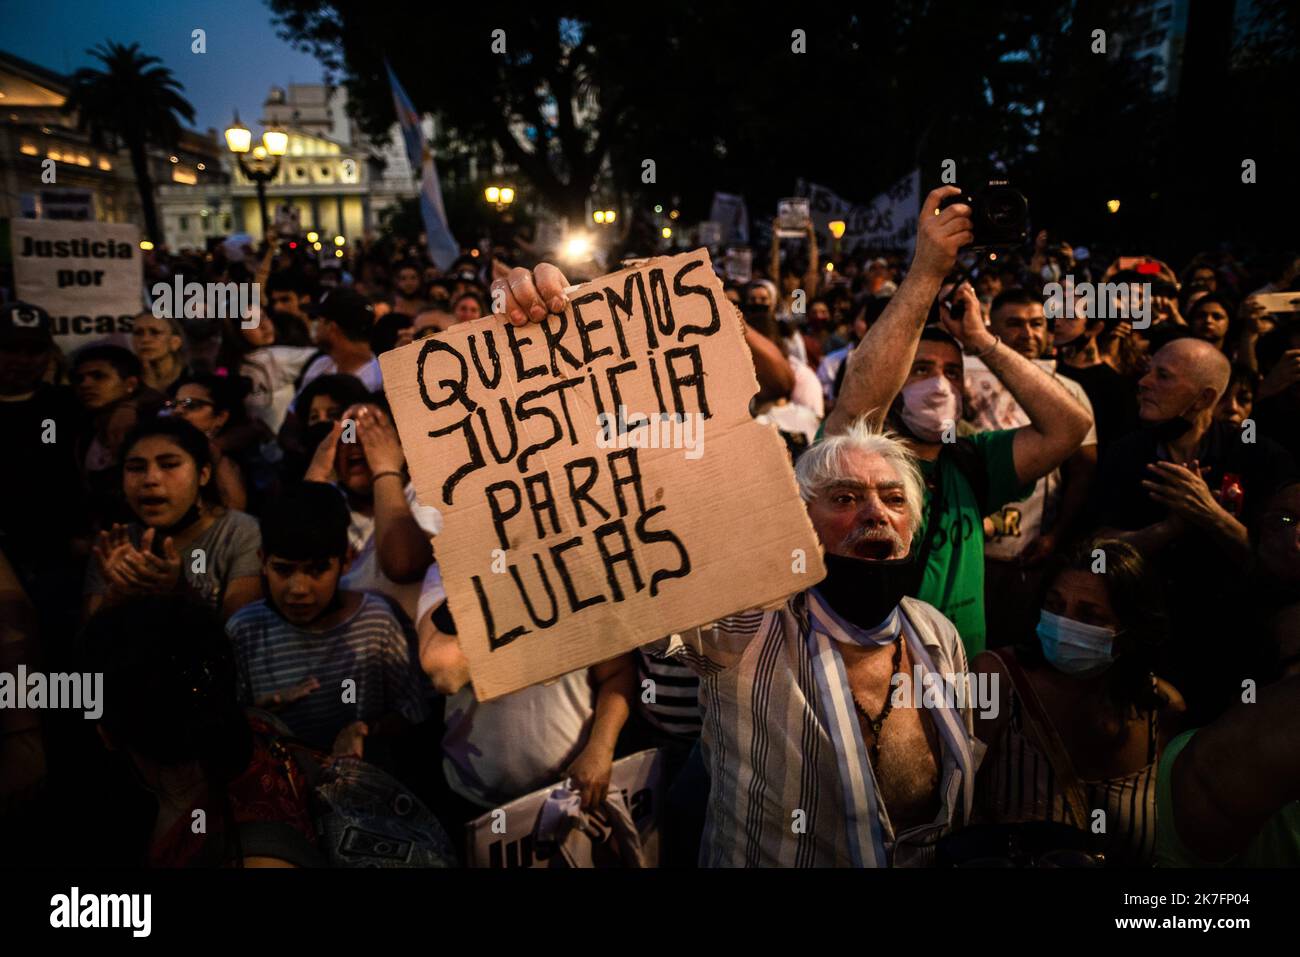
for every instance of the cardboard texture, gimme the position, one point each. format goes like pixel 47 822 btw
pixel 87 276
pixel 571 533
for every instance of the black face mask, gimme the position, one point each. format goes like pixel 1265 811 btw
pixel 863 592
pixel 186 520
pixel 1169 430
pixel 761 319
pixel 1065 351
pixel 315 434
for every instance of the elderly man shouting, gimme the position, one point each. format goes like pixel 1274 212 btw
pixel 817 753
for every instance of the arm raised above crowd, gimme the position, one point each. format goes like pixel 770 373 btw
pixel 1057 423
pixel 1237 773
pixel 878 367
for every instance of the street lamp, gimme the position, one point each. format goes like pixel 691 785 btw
pixel 837 227
pixel 265 163
pixel 499 196
pixel 605 217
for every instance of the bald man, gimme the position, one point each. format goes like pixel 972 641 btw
pixel 1183 490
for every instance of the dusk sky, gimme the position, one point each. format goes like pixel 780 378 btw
pixel 244 56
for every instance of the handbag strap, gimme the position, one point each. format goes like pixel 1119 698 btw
pixel 1047 738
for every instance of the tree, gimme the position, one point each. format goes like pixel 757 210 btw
pixel 717 95
pixel 134 103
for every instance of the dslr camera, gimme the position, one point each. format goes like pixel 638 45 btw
pixel 1000 214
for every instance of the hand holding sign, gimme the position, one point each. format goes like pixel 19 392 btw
pixel 530 295
pixel 574 526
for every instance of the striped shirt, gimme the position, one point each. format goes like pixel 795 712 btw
pixel 669 695
pixel 369 648
pixel 776 797
pixel 1019 784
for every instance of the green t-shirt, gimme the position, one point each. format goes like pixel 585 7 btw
pixel 1276 845
pixel 954 573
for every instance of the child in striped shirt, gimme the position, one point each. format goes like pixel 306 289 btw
pixel 334 664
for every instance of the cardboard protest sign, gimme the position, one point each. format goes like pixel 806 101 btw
pixel 87 276
pixel 601 480
pixel 504 838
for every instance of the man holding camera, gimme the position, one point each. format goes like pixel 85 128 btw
pixel 917 379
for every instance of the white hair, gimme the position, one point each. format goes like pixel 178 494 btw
pixel 824 464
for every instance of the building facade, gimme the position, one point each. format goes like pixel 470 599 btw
pixel 331 180
pixel 50 170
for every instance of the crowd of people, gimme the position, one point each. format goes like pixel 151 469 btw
pixel 1091 514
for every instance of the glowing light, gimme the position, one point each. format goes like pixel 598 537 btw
pixel 598 215
pixel 313 236
pixel 830 267
pixel 338 254
pixel 492 194
pixel 507 195
pixel 610 216
pixel 837 227
pixel 238 138
pixel 667 232
pixel 339 240
pixel 1112 205
pixel 577 248
pixel 315 246
pixel 146 245
pixel 276 142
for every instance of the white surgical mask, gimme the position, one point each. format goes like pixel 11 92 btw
pixel 1075 648
pixel 930 406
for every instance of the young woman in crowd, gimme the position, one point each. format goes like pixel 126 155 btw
pixel 390 531
pixel 160 345
pixel 172 714
pixel 1211 318
pixel 1239 398
pixel 272 370
pixel 183 539
pixel 1080 718
pixel 214 405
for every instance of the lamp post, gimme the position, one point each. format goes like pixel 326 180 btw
pixel 264 165
pixel 499 196
pixel 837 227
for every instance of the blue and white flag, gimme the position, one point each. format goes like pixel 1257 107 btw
pixel 442 245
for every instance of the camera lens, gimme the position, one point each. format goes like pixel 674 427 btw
pixel 1004 207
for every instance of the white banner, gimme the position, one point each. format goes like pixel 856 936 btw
pixel 888 222
pixel 87 276
pixel 504 838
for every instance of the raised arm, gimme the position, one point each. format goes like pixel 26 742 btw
pixel 1057 423
pixel 812 277
pixel 876 370
pixel 1238 772
pixel 775 376
pixel 401 545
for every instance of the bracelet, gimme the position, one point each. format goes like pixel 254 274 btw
pixel 997 341
pixel 378 475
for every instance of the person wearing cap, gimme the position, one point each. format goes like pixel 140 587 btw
pixel 343 335
pixel 41 505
